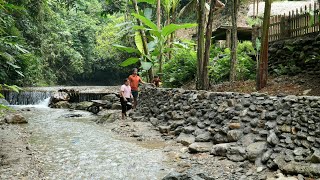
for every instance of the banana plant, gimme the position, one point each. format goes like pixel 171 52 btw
pixel 156 42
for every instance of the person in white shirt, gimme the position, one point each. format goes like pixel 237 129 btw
pixel 125 97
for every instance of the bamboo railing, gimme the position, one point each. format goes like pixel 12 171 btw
pixel 297 23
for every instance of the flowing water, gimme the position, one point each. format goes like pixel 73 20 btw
pixel 72 146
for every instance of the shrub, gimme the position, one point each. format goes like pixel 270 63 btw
pixel 219 68
pixel 181 69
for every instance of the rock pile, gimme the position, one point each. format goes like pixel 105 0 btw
pixel 64 100
pixel 275 132
pixel 296 55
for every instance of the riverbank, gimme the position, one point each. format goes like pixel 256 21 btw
pixel 17 158
pixel 20 161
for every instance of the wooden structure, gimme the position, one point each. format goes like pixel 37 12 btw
pixel 297 23
pixel 224 33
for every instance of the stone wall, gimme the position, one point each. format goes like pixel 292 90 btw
pixel 300 54
pixel 276 132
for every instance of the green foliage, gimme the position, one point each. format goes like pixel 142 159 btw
pixel 219 69
pixel 181 69
pixel 156 42
pixel 7 87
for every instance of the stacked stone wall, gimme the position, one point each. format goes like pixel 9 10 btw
pixel 297 55
pixel 277 132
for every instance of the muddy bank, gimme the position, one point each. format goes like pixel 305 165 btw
pixel 17 158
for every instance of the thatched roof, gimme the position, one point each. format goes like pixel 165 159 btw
pixel 280 7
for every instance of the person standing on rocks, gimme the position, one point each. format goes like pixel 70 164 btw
pixel 125 97
pixel 134 83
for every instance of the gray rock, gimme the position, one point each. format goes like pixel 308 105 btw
pixel 188 129
pixel 185 139
pixel 256 149
pixel 201 125
pixel 176 115
pixel 299 151
pixel 272 138
pixel 200 147
pixel 300 168
pixel 193 120
pixel 62 105
pixel 271 115
pixel 204 137
pixel 315 157
pixel 138 118
pixel 175 124
pixel 154 121
pixel 15 119
pixel 254 122
pixel 234 135
pixel 220 149
pixel 116 106
pixel 247 139
pixel 266 156
pixel 107 118
pixel 175 176
pixel 236 153
pixel 220 138
pixel 164 129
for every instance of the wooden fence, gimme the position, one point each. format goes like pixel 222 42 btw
pixel 297 23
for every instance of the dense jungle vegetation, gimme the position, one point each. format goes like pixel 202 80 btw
pixel 95 42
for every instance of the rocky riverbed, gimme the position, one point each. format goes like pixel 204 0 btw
pixel 58 143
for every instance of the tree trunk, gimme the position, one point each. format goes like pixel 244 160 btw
pixel 200 52
pixel 234 41
pixel 262 72
pixel 205 76
pixel 144 38
pixel 159 27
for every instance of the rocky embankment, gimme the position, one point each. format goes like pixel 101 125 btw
pixel 270 132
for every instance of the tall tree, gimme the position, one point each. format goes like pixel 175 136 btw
pixel 234 40
pixel 200 52
pixel 205 77
pixel 262 72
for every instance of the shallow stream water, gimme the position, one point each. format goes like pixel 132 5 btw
pixel 71 146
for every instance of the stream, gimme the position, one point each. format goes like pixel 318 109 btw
pixel 70 145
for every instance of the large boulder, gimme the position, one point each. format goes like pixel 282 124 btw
pixel 61 105
pixel 59 96
pixel 15 119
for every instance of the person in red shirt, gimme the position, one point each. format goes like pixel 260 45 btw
pixel 134 83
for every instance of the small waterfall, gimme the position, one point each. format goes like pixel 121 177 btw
pixel 43 97
pixel 26 97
